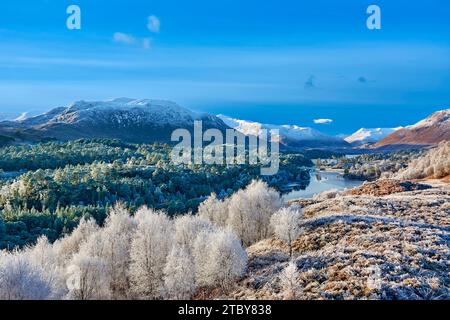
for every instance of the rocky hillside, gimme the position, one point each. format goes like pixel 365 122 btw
pixel 361 247
pixel 430 131
pixel 388 239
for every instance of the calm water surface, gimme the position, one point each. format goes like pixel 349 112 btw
pixel 322 181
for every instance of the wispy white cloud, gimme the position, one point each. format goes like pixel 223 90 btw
pixel 129 39
pixel 323 121
pixel 154 24
pixel 124 38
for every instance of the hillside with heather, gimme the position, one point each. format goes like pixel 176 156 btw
pixel 429 131
pixel 360 247
pixel 384 240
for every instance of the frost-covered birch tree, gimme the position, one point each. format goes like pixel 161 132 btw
pixel 179 276
pixel 150 246
pixel 286 225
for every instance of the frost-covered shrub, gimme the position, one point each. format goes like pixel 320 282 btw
pixel 21 279
pixel 289 281
pixel 250 211
pixel 286 225
pixel 44 256
pixel 219 259
pixel 434 164
pixel 179 276
pixel 68 246
pixel 112 244
pixel 150 246
pixel 215 210
pixel 145 256
pixel 88 278
pixel 187 228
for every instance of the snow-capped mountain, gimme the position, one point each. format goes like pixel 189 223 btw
pixel 439 119
pixel 289 135
pixel 366 136
pixel 147 121
pixel 122 112
pixel 429 131
pixel 127 119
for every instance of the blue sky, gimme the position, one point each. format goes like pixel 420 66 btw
pixel 271 61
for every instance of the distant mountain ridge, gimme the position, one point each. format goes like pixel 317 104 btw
pixel 369 135
pixel 130 120
pixel 289 135
pixel 429 131
pixel 148 121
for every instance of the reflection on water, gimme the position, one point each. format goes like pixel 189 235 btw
pixel 322 181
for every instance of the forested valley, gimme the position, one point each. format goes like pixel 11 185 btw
pixel 47 188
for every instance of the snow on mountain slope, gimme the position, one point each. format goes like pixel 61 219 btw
pixel 429 131
pixel 290 135
pixel 130 120
pixel 120 111
pixel 244 127
pixel 439 118
pixel 23 116
pixel 372 135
